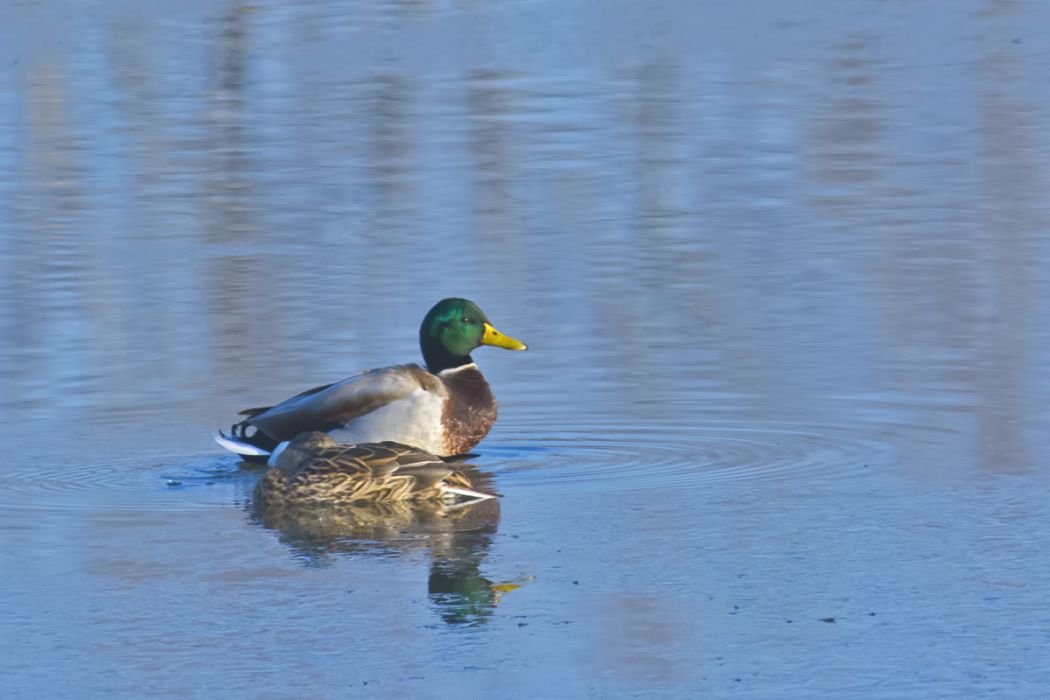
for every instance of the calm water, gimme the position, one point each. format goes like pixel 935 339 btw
pixel 783 427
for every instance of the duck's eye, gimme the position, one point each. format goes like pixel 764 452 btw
pixel 467 320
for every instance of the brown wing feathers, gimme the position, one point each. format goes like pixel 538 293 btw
pixel 324 472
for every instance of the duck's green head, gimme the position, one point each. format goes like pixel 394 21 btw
pixel 452 329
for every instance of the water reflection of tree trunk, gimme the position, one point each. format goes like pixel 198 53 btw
pixel 47 286
pixel 237 275
pixel 492 103
pixel 390 169
pixel 1013 186
pixel 658 251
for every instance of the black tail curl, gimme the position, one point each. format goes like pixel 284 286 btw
pixel 246 432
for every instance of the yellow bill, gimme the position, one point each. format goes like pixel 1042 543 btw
pixel 494 337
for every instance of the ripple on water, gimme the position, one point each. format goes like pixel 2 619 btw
pixel 608 455
pixel 126 484
pixel 669 454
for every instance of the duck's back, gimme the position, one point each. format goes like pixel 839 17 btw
pixel 446 422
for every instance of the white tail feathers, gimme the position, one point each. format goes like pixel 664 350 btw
pixel 239 448
pixel 467 493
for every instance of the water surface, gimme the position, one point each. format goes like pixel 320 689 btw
pixel 782 427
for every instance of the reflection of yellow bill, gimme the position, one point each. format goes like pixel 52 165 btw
pixel 498 589
pixel 504 587
pixel 497 339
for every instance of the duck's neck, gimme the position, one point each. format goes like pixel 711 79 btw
pixel 439 359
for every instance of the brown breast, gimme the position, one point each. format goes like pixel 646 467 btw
pixel 469 412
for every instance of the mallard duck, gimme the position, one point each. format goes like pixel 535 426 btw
pixel 445 408
pixel 315 470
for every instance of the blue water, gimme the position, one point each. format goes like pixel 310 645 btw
pixel 782 429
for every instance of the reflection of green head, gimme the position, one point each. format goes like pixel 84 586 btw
pixel 462 595
pixel 452 329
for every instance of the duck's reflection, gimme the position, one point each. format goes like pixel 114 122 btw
pixel 456 538
pixel 461 594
